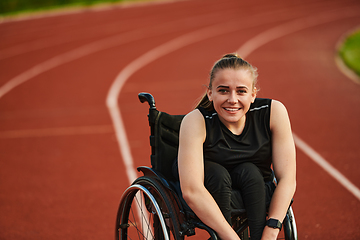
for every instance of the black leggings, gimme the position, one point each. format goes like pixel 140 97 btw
pixel 246 178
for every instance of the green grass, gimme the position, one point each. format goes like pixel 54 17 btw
pixel 350 51
pixel 16 7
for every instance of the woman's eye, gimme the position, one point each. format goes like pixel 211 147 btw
pixel 223 90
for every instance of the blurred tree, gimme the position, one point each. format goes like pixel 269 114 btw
pixel 13 6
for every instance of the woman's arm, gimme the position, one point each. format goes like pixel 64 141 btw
pixel 284 164
pixel 191 172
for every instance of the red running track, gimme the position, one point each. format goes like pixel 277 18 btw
pixel 61 169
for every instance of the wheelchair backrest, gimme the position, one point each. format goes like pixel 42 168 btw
pixel 164 138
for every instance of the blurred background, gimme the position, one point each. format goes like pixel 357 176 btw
pixel 66 67
pixel 10 7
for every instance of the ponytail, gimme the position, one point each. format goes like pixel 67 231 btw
pixel 205 103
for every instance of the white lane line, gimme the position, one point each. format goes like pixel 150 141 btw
pixel 119 40
pixel 293 26
pixel 91 48
pixel 83 51
pixel 41 44
pixel 68 57
pixel 285 29
pixel 152 55
pixel 137 64
pixel 316 157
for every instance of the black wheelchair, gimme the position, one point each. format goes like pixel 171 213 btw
pixel 153 208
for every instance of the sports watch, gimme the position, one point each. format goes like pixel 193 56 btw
pixel 274 223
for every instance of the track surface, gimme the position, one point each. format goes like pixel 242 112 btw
pixel 61 170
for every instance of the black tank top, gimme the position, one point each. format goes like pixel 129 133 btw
pixel 252 145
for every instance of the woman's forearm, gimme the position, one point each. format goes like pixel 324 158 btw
pixel 281 199
pixel 280 202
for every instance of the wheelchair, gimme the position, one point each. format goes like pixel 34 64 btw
pixel 153 208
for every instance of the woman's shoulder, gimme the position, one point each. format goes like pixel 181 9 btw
pixel 279 114
pixel 195 117
pixel 193 125
pixel 278 106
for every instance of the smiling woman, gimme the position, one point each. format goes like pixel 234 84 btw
pixel 230 142
pixel 231 93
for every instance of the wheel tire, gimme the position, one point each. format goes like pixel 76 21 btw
pixel 290 225
pixel 146 212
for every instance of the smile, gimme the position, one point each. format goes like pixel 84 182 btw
pixel 232 109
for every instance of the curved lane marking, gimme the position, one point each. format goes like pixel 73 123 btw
pixel 187 39
pixel 91 48
pixel 152 55
pixel 42 44
pixel 137 64
pixel 286 29
pixel 166 48
pixel 295 26
pixel 120 39
pixel 88 49
pixel 68 57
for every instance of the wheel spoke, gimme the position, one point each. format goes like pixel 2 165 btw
pixel 140 215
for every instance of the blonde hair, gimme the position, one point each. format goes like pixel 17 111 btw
pixel 232 61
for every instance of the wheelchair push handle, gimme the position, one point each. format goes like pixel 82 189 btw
pixel 148 98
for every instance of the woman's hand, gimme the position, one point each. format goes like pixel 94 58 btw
pixel 270 233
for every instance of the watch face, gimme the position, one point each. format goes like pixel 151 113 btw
pixel 274 223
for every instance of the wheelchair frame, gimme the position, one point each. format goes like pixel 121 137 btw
pixel 153 208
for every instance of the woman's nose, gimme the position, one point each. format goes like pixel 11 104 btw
pixel 232 98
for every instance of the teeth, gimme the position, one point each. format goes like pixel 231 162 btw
pixel 232 109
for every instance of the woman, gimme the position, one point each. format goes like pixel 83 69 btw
pixel 230 141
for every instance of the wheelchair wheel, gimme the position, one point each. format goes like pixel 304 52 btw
pixel 290 230
pixel 146 212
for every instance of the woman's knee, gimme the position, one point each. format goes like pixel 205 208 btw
pixel 247 174
pixel 216 177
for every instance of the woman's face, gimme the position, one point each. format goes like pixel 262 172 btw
pixel 232 93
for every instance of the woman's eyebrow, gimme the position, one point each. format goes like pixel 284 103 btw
pixel 239 87
pixel 222 86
